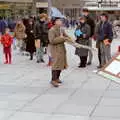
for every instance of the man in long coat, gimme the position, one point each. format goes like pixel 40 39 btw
pixel 58 51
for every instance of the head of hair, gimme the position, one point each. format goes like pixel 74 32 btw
pixel 43 15
pixel 105 15
pixel 85 10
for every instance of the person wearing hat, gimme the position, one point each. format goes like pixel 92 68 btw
pixel 82 34
pixel 104 34
pixel 57 38
pixel 91 23
pixel 41 36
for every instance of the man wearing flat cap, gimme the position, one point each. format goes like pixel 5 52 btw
pixel 57 39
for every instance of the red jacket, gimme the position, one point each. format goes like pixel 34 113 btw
pixel 6 40
pixel 50 25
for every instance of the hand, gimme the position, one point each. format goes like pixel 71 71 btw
pixel 61 35
pixel 84 35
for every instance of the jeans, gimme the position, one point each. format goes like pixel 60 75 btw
pixel 105 51
pixel 90 54
pixel 39 53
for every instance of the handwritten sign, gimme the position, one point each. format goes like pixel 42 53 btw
pixel 112 69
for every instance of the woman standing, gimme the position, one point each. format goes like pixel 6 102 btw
pixel 30 40
pixel 82 33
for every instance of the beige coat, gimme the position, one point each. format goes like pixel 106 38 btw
pixel 57 47
pixel 20 32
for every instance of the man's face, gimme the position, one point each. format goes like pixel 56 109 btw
pixel 43 19
pixel 59 22
pixel 85 13
pixel 82 20
pixel 103 18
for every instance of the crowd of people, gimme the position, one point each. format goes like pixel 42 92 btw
pixel 46 35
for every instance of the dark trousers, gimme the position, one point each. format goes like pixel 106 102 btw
pixel 55 74
pixel 31 56
pixel 83 60
pixel 99 56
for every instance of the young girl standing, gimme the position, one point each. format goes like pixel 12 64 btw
pixel 6 41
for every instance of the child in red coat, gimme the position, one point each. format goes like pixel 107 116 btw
pixel 7 41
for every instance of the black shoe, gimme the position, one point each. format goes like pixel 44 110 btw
pixel 99 67
pixel 31 58
pixel 82 66
pixel 42 61
pixel 89 63
pixel 38 61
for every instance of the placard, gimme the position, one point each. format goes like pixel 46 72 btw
pixel 112 69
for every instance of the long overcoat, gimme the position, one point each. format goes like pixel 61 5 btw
pixel 57 48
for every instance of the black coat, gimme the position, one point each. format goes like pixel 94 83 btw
pixel 83 41
pixel 41 32
pixel 30 40
pixel 91 23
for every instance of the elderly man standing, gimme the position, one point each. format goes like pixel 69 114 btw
pixel 58 51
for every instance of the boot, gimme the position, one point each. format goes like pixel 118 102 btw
pixel 59 81
pixel 54 83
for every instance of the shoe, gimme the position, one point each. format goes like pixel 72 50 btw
pixel 99 67
pixel 89 63
pixel 82 66
pixel 55 84
pixel 42 61
pixel 10 62
pixel 38 61
pixel 6 62
pixel 59 81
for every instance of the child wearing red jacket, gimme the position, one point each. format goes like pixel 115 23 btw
pixel 7 41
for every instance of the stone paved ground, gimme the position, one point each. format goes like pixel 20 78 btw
pixel 25 92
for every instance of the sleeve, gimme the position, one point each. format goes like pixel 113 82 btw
pixel 88 31
pixel 110 32
pixel 54 40
pixel 37 32
pixel 92 27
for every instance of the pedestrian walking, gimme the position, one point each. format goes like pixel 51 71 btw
pixel 7 41
pixel 58 51
pixel 30 40
pixel 91 23
pixel 82 34
pixel 104 35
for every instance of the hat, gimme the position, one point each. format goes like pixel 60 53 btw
pixel 54 19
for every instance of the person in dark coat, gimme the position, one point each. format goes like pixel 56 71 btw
pixel 41 34
pixel 30 40
pixel 82 33
pixel 91 23
pixel 3 25
pixel 104 34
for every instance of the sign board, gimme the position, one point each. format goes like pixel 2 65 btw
pixel 18 1
pixel 4 6
pixel 41 4
pixel 112 69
